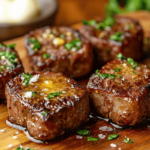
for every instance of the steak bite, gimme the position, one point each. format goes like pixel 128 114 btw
pixel 120 91
pixel 114 35
pixel 48 104
pixel 10 66
pixel 59 49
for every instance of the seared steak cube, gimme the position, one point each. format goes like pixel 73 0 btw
pixel 111 36
pixel 10 66
pixel 121 91
pixel 48 104
pixel 59 49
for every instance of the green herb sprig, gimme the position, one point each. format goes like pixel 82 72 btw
pixel 90 23
pixel 46 55
pixel 27 78
pixel 83 132
pixel 127 140
pixel 74 43
pixel 117 69
pixel 120 56
pixel 105 75
pixel 117 36
pixel 11 46
pixel 10 56
pixel 36 44
pixel 44 113
pixel 92 138
pixel 113 136
pixel 52 95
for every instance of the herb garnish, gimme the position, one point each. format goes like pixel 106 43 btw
pixel 36 44
pixel 120 56
pixel 83 132
pixel 134 72
pixel 1 70
pixel 34 93
pixel 9 67
pixel 117 69
pixel 117 36
pixel 3 66
pixel 90 23
pixel 105 75
pixel 113 136
pixel 9 56
pixel 130 61
pixel 107 22
pixel 19 148
pixel 44 113
pixel 97 71
pixel 46 55
pixel 27 78
pixel 52 95
pixel 92 138
pixel 127 140
pixel 119 76
pixel 62 36
pixel 128 27
pixel 12 46
pixel 74 43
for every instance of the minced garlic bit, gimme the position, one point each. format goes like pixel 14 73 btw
pixel 3 130
pixel 58 41
pixel 28 94
pixel 113 145
pixel 15 137
pixel 34 78
pixel 10 145
pixel 105 128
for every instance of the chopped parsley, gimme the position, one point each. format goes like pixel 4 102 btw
pixel 113 136
pixel 3 66
pixel 107 22
pixel 36 44
pixel 118 36
pixel 134 72
pixel 83 132
pixel 52 95
pixel 92 138
pixel 127 140
pixel 112 76
pixel 62 36
pixel 97 71
pixel 34 93
pixel 9 67
pixel 19 148
pixel 130 61
pixel 27 78
pixel 117 69
pixel 46 55
pixel 12 46
pixel 44 113
pixel 10 56
pixel 128 27
pixel 119 76
pixel 120 56
pixel 1 70
pixel 90 23
pixel 105 75
pixel 74 43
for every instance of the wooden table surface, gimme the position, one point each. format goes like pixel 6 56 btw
pixel 139 134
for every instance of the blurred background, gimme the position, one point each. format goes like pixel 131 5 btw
pixel 18 17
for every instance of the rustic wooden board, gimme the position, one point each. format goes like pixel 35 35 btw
pixel 140 135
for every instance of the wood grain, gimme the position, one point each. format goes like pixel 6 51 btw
pixel 140 135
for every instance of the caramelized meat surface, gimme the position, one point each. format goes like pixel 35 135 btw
pixel 59 49
pixel 10 66
pixel 121 91
pixel 47 104
pixel 112 36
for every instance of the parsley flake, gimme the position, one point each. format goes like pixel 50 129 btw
pixel 46 55
pixel 1 70
pixel 119 76
pixel 113 136
pixel 120 56
pixel 44 113
pixel 118 36
pixel 117 69
pixel 52 95
pixel 19 148
pixel 127 140
pixel 92 138
pixel 112 76
pixel 103 76
pixel 90 23
pixel 36 44
pixel 83 132
pixel 97 71
pixel 27 78
pixel 74 43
